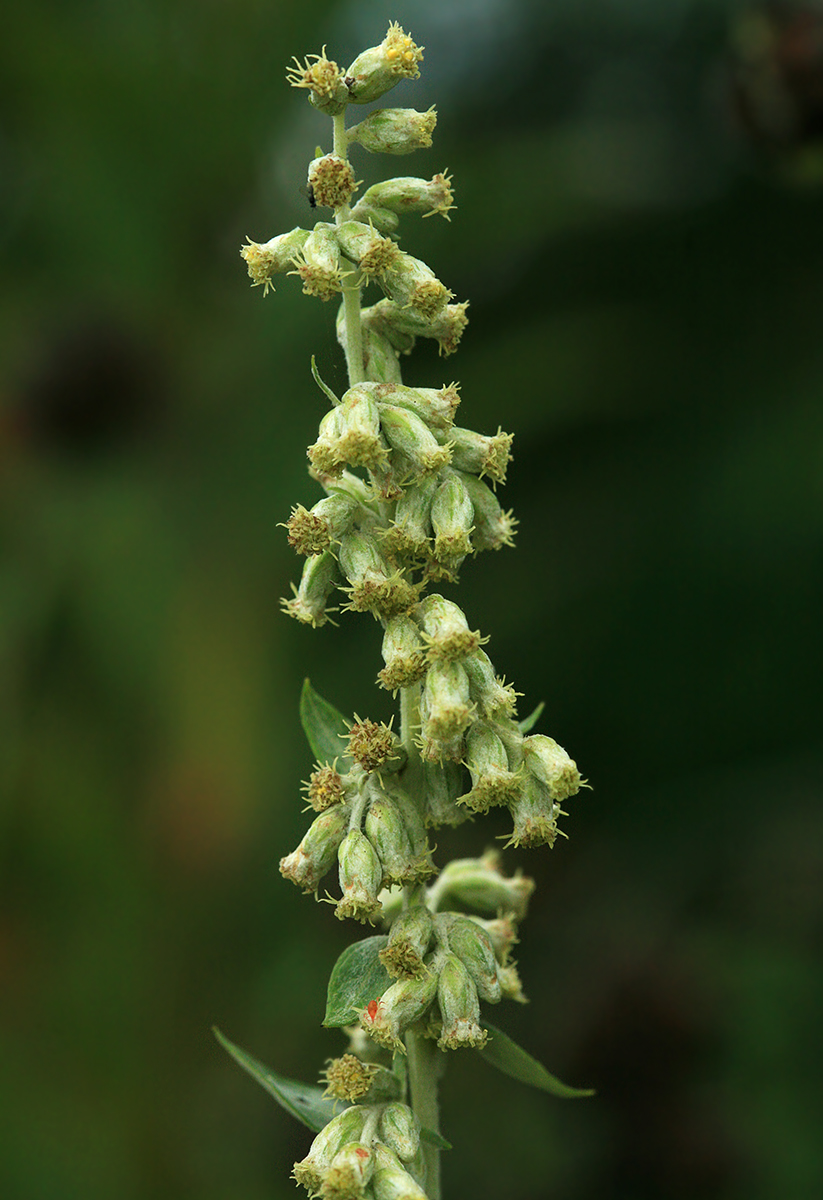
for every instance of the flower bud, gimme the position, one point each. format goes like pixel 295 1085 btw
pixel 409 940
pixel 406 433
pixel 552 766
pixel 445 630
pixel 313 531
pixel 481 455
pixel 399 1007
pixel 378 69
pixel 408 195
pixel 407 538
pixel 361 877
pixel 373 744
pixel 347 1078
pixel 443 783
pixel 331 180
pixel 446 327
pixel 374 587
pixel 459 1006
pixel 473 947
pixel 395 131
pixel 399 1130
pixel 385 830
pixel 318 263
pixel 452 517
pixel 535 814
pixel 383 219
pixel 316 854
pixel 323 454
pixel 324 81
pixel 325 788
pixel 372 253
pixel 410 810
pixel 342 1129
pixel 492 781
pixel 502 933
pixel 402 653
pixel 349 1173
pixel 391 1181
pixel 389 320
pixel 412 284
pixel 316 585
pixel 360 444
pixel 510 984
pixel 493 528
pixel 274 257
pixel 434 406
pixel 446 711
pixel 479 883
pixel 495 699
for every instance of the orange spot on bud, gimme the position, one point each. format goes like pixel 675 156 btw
pixel 362 1153
pixel 371 1009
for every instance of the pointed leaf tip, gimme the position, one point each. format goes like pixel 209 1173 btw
pixel 324 727
pixel 502 1052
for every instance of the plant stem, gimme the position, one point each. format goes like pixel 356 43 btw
pixel 351 292
pixel 423 1073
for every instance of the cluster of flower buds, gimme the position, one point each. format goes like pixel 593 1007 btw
pixel 367 1152
pixel 367 824
pixel 445 963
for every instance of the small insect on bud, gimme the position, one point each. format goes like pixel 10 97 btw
pixel 409 940
pixel 459 1006
pixel 319 578
pixel 411 284
pixel 445 630
pixel 399 1130
pixel 552 766
pixel 313 531
pixel 361 877
pixel 403 654
pixel 373 253
pixel 407 195
pixel 481 455
pixel 495 699
pixel 374 587
pixel 347 1078
pixel 492 781
pixel 378 69
pixel 395 131
pixel 473 947
pixel 325 788
pixel 493 528
pixel 452 521
pixel 324 81
pixel 360 444
pixel 331 181
pixel 316 854
pixel 399 1007
pixel 318 263
pixel 406 433
pixel 275 257
pixel 341 1130
pixel 479 883
pixel 348 1175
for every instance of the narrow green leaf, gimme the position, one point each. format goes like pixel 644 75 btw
pixel 324 387
pixel 434 1139
pixel 323 726
pixel 501 1052
pixel 304 1101
pixel 528 724
pixel 358 977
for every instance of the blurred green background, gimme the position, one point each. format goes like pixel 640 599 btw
pixel 639 233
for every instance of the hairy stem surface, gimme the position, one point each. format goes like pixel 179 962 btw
pixel 351 291
pixel 423 1073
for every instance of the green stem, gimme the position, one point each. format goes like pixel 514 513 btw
pixel 351 292
pixel 423 1074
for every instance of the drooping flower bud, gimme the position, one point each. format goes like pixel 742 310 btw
pixel 385 830
pixel 510 984
pixel 445 630
pixel 373 253
pixel 398 1129
pixel 311 531
pixel 552 766
pixel 411 284
pixel 493 527
pixel 394 131
pixel 502 933
pixel 324 81
pixel 374 587
pixel 403 654
pixel 323 454
pixel 359 444
pixel 446 709
pixel 479 883
pixel 325 788
pixel 373 745
pixel 407 538
pixel 403 323
pixel 316 854
pixel 434 406
pixel 361 877
pixel 492 781
pixel 459 1006
pixel 346 1127
pixel 481 455
pixel 473 947
pixel 409 940
pixel 495 699
pixel 331 180
pixel 452 521
pixel 383 220
pixel 408 195
pixel 349 1173
pixel 318 263
pixel 317 582
pixel 443 783
pixel 391 1181
pixel 406 433
pixel 380 68
pixel 274 257
pixel 405 1002
pixel 534 813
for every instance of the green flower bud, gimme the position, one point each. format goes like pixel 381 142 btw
pixel 409 940
pixel 378 69
pixel 383 219
pixel 316 585
pixel 398 1129
pixel 347 1078
pixel 342 1129
pixel 374 587
pixel 493 528
pixel 407 538
pixel 446 711
pixel 412 815
pixel 361 877
pixel 412 284
pixel 473 947
pixel 274 257
pixel 502 933
pixel 479 883
pixel 408 195
pixel 324 81
pixel 389 319
pixel 325 788
pixel 385 830
pixel 313 531
pixel 395 131
pixel 495 699
pixel 349 1173
pixel 403 324
pixel 492 781
pixel 331 181
pixel 316 854
pixel 373 253
pixel 399 1007
pixel 380 359
pixel 535 814
pixel 402 653
pixel 481 455
pixel 360 444
pixel 318 264
pixel 373 745
pixel 434 406
pixel 552 766
pixel 391 1181
pixel 323 454
pixel 459 1006
pixel 452 517
pixel 443 783
pixel 405 432
pixel 510 984
pixel 445 630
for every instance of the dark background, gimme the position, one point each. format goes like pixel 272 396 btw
pixel 639 234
